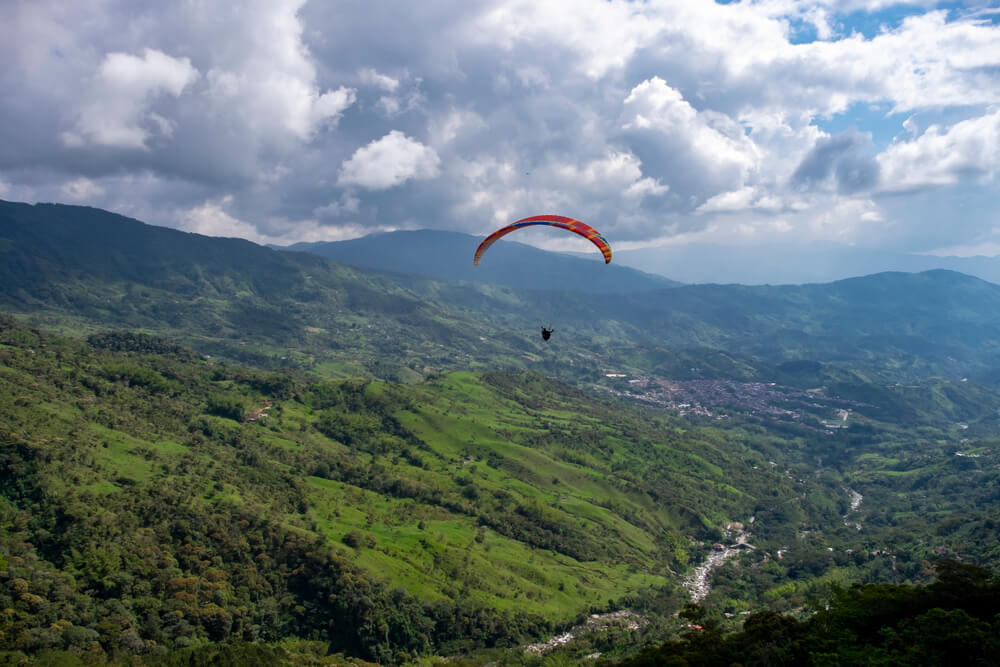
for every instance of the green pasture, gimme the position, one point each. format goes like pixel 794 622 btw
pixel 449 555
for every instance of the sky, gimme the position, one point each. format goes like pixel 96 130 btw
pixel 864 122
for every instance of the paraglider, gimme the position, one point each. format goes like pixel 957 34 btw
pixel 561 221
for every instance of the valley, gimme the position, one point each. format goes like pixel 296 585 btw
pixel 215 446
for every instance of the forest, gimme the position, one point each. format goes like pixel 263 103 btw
pixel 228 453
pixel 157 502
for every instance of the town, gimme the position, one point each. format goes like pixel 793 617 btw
pixel 721 399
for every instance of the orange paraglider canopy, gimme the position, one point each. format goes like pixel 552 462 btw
pixel 575 226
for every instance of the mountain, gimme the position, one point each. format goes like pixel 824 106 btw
pixel 448 256
pixel 195 466
pixel 942 317
pixel 85 269
pixel 157 499
pixel 792 263
pixel 82 268
pixel 162 505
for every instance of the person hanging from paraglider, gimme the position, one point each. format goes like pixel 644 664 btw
pixel 560 221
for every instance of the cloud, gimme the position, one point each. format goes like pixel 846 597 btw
pixel 601 37
pixel 369 77
pixel 839 161
pixel 614 175
pixel 347 204
pixel 968 150
pixel 81 190
pixel 116 111
pixel 450 124
pixel 214 218
pixel 984 249
pixel 388 162
pixel 743 199
pixel 211 219
pixel 702 152
pixel 198 91
pixel 657 119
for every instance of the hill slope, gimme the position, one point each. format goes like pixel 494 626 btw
pixel 144 472
pixel 84 268
pixel 155 500
pixel 151 486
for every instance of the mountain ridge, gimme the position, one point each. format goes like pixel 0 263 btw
pixel 443 255
pixel 802 263
pixel 239 299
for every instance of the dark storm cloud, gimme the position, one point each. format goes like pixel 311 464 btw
pixel 840 160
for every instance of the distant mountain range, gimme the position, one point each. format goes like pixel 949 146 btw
pixel 84 269
pixel 791 264
pixel 448 256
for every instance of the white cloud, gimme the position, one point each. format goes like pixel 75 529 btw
pixel 329 106
pixel 393 105
pixel 704 146
pixel 845 219
pixel 602 36
pixel 81 190
pixel 659 118
pixel 264 70
pixel 347 204
pixel 984 249
pixel 944 156
pixel 656 106
pixel 369 77
pixel 389 161
pixel 116 112
pixel 277 105
pixel 739 216
pixel 737 200
pixel 617 174
pixel 211 219
pixel 449 125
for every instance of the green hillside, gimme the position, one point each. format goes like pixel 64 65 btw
pixel 179 501
pixel 213 446
pixel 156 501
pixel 80 269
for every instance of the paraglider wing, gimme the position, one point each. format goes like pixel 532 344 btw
pixel 562 221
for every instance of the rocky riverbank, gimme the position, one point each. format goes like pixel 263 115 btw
pixel 624 618
pixel 698 584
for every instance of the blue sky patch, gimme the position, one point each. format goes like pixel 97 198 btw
pixel 869 118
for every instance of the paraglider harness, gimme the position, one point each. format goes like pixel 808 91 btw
pixel 546 333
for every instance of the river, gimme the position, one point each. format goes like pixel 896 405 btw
pixel 697 584
pixel 856 499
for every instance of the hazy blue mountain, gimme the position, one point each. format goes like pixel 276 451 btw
pixel 85 268
pixel 448 256
pixel 791 264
